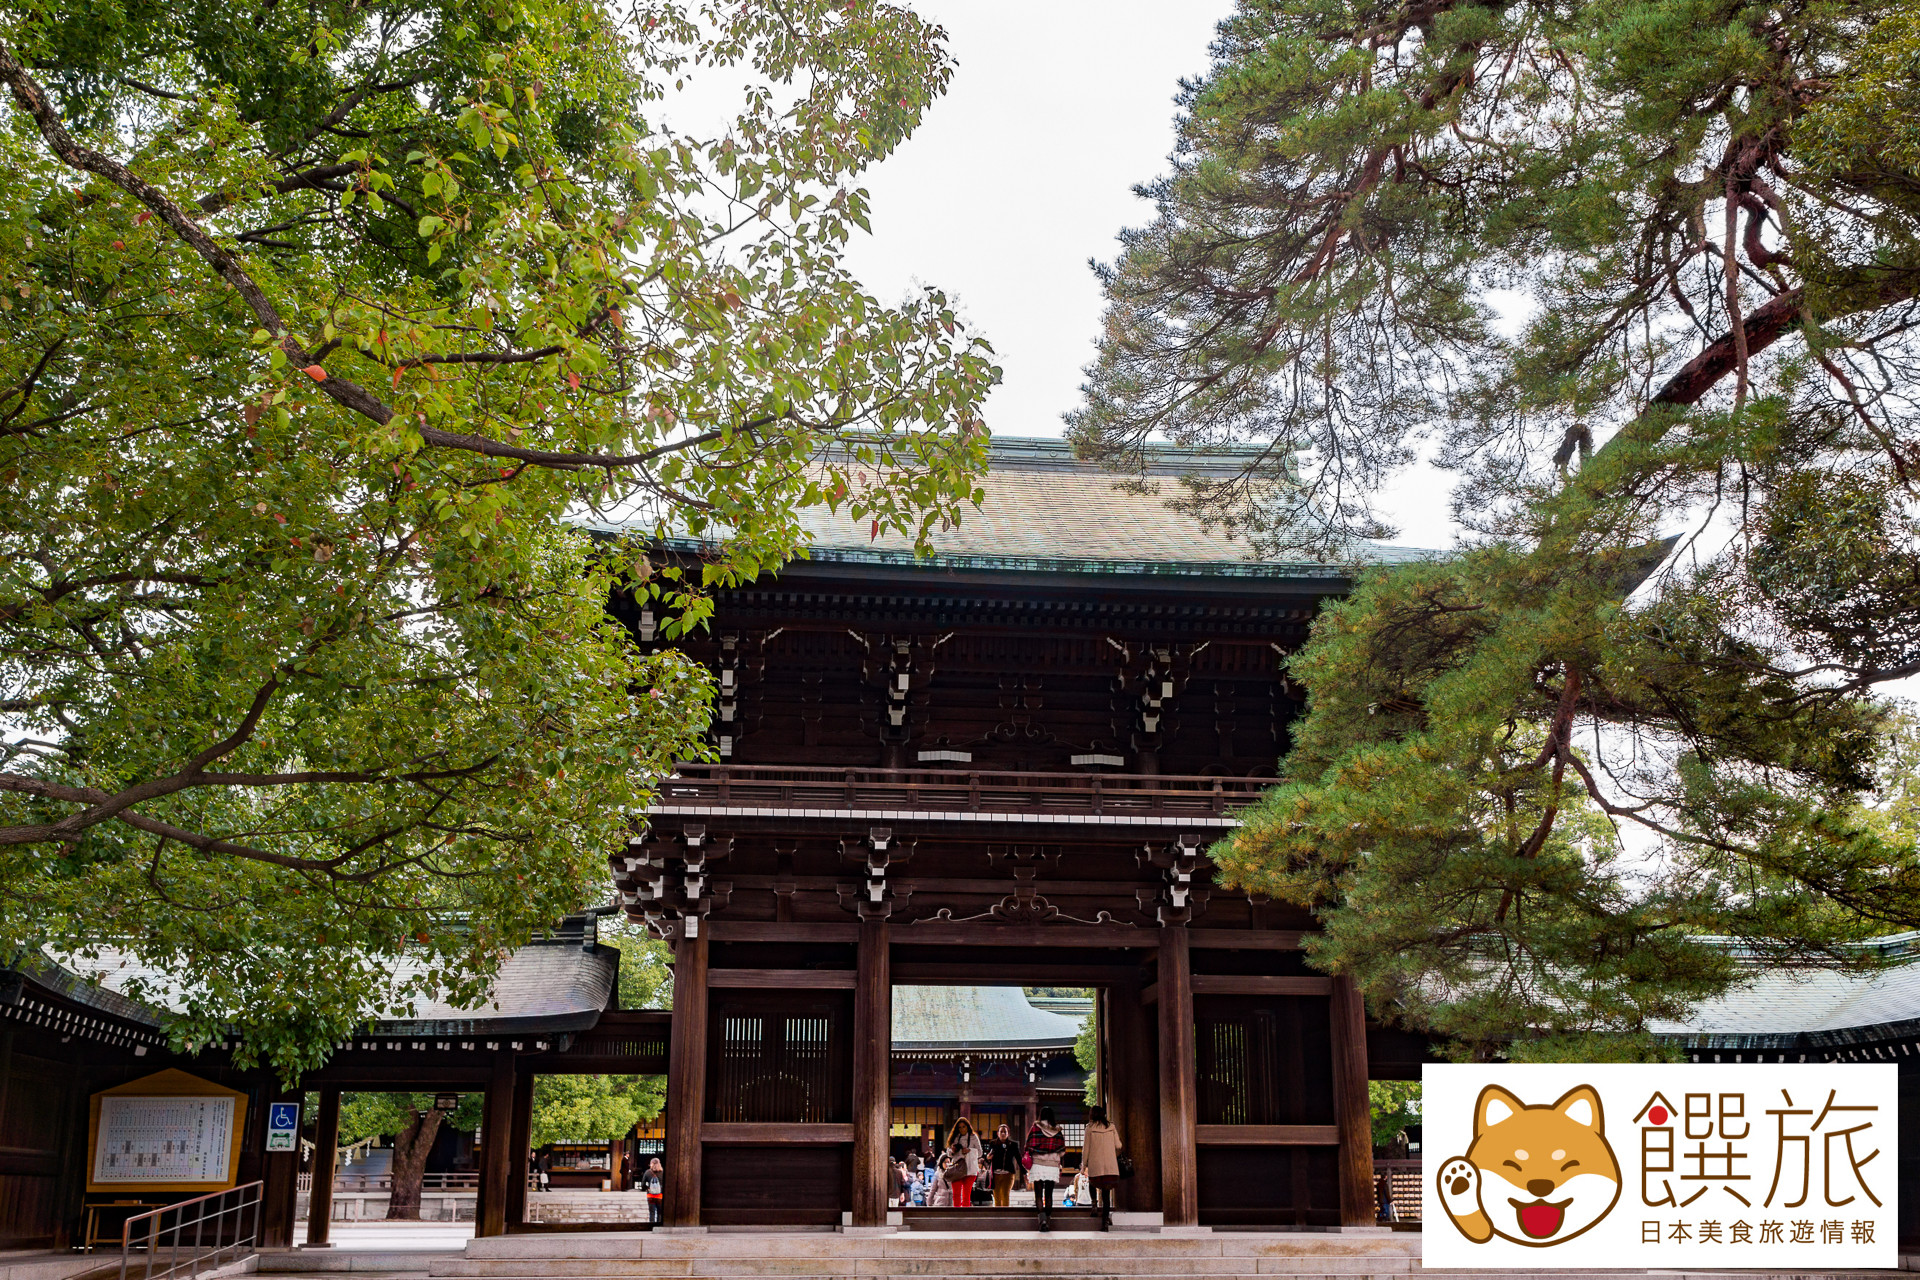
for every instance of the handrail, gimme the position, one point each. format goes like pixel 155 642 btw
pixel 226 1245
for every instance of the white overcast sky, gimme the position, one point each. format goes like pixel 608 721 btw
pixel 1026 169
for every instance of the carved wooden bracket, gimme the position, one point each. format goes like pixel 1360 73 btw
pixel 664 881
pixel 876 896
pixel 1177 899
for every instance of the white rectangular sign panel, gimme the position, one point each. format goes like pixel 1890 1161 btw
pixel 1777 1167
pixel 163 1139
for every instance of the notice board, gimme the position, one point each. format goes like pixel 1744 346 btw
pixel 169 1131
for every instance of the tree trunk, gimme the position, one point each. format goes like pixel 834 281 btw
pixel 410 1148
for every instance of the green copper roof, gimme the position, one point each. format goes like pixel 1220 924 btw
pixel 976 1017
pixel 1045 511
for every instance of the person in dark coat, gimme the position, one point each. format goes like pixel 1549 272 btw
pixel 1003 1158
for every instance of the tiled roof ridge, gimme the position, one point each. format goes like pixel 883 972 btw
pixel 1160 459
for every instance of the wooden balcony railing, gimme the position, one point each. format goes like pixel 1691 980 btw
pixel 957 790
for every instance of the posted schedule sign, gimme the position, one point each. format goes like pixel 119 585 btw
pixel 1771 1166
pixel 163 1140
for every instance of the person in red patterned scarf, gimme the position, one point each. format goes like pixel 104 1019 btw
pixel 1045 1145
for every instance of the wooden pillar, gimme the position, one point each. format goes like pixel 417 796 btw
pixel 1134 1095
pixel 1352 1111
pixel 686 1083
pixel 280 1172
pixel 1102 1050
pixel 1179 1189
pixel 496 1147
pixel 872 1073
pixel 326 1148
pixel 522 1135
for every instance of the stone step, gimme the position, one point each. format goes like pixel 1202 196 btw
pixel 505 1255
pixel 957 1260
pixel 876 1269
pixel 956 1264
pixel 389 1264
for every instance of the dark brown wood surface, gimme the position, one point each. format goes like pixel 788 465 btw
pixel 783 979
pixel 522 1139
pixel 281 1174
pixel 1179 1193
pixel 1248 984
pixel 782 931
pixel 496 1147
pixel 687 1084
pixel 1014 935
pixel 740 1134
pixel 326 1146
pixel 872 1075
pixel 1245 939
pixel 1352 1110
pixel 1135 1095
pixel 1266 1135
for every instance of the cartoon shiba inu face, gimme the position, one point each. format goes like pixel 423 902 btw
pixel 1533 1175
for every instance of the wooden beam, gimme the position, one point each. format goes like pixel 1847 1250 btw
pixel 784 931
pixel 1179 1186
pixel 759 1135
pixel 496 1147
pixel 983 934
pixel 783 979
pixel 1245 939
pixel 1352 1113
pixel 960 973
pixel 1136 1094
pixel 1150 994
pixel 872 1075
pixel 1243 984
pixel 280 1171
pixel 326 1147
pixel 686 1083
pixel 522 1138
pixel 1267 1135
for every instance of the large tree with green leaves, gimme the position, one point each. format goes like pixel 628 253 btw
pixel 1633 268
pixel 322 327
pixel 413 1124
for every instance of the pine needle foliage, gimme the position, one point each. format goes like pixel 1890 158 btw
pixel 1634 269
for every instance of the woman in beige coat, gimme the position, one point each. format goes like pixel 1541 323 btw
pixel 1100 1158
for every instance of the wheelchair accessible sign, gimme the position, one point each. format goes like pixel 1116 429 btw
pixel 283 1126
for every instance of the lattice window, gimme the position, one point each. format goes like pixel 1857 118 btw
pixel 771 1068
pixel 1263 1060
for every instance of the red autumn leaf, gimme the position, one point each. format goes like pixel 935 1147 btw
pixel 315 372
pixel 874 532
pixel 396 376
pixel 140 218
pixel 119 244
pixel 573 380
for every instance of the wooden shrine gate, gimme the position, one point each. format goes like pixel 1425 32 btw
pixel 1237 1075
pixel 1002 761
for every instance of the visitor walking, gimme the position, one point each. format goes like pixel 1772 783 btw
pixel 1003 1164
pixel 654 1183
pixel 1045 1144
pixel 896 1182
pixel 1100 1162
pixel 963 1147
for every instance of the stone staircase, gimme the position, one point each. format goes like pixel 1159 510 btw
pixel 976 1255
pixel 972 1255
